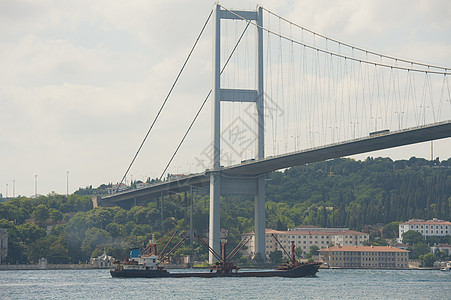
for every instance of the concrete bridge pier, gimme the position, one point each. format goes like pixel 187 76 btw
pixel 220 185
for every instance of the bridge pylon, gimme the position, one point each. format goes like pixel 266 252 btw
pixel 236 185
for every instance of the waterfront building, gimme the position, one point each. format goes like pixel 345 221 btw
pixel 305 239
pixel 366 257
pixel 103 261
pixel 427 228
pixel 442 247
pixel 400 246
pixel 140 185
pixel 316 228
pixel 116 187
pixel 3 244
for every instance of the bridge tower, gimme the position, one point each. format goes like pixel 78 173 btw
pixel 222 186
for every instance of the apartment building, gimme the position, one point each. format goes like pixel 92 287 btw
pixel 366 257
pixel 427 228
pixel 305 239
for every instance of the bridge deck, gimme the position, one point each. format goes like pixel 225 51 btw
pixel 258 167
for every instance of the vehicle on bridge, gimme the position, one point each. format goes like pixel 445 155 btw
pixel 379 132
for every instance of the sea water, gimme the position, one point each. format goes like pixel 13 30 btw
pixel 338 284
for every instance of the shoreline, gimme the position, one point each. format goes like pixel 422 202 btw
pixel 28 267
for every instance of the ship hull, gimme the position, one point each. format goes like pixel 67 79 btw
pixel 140 273
pixel 305 270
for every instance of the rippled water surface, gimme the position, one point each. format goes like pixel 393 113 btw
pixel 341 284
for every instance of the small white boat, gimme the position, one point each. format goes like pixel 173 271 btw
pixel 446 268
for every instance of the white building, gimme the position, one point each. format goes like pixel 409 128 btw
pixel 368 257
pixel 442 247
pixel 427 228
pixel 140 185
pixel 305 239
pixel 116 187
pixel 103 261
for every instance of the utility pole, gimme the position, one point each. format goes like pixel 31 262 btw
pixel 67 184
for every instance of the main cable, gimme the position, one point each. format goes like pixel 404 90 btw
pixel 203 104
pixel 351 46
pixel 166 99
pixel 341 55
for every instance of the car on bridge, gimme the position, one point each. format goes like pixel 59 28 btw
pixel 379 132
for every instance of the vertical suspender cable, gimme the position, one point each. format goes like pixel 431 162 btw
pixel 202 106
pixel 166 99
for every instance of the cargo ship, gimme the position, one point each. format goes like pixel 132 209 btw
pixel 147 265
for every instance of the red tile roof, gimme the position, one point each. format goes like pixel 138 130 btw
pixel 428 222
pixel 313 232
pixel 363 249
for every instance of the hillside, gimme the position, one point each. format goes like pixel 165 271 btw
pixel 335 193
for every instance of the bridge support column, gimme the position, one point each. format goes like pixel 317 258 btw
pixel 259 242
pixel 236 95
pixel 214 234
pixel 191 204
pixel 215 184
pixel 161 211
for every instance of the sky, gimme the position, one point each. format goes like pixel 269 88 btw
pixel 81 81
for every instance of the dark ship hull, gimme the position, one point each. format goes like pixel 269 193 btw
pixel 301 270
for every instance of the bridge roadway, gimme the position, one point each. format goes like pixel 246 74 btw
pixel 255 168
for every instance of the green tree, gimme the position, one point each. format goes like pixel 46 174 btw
pixel 391 230
pixel 258 258
pixel 427 260
pixel 298 252
pixel 412 237
pixel 41 213
pixel 244 260
pixel 114 229
pixel 94 237
pixel 440 255
pixel 55 214
pixel 58 253
pixel 276 256
pixel 29 233
pixel 419 249
pixel 37 250
pixel 314 250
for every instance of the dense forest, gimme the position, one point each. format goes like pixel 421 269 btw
pixel 361 195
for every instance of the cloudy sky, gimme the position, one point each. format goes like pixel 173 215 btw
pixel 81 81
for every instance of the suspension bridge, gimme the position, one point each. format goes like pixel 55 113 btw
pixel 298 97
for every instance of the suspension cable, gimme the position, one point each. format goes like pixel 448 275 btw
pixel 166 99
pixel 203 104
pixel 341 55
pixel 351 46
